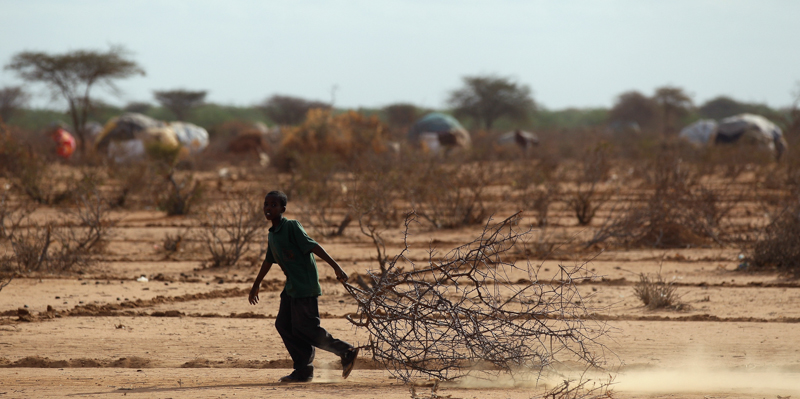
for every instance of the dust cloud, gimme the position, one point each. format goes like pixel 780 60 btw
pixel 700 380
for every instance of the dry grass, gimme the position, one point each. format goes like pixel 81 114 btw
pixel 655 293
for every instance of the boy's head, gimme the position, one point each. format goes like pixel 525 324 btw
pixel 275 205
pixel 281 196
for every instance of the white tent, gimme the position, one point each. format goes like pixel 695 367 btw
pixel 753 129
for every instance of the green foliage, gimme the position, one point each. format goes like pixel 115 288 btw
pixel 723 107
pixel 633 106
pixel 180 102
pixel 487 98
pixel 287 110
pixel 12 100
pixel 569 118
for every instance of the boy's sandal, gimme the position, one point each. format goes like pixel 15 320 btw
pixel 348 361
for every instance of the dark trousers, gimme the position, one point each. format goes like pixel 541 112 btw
pixel 299 326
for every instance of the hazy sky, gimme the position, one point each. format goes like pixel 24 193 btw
pixel 571 53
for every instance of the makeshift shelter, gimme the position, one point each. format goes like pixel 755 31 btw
pixel 753 129
pixel 740 129
pixel 437 130
pixel 192 137
pixel 126 137
pixel 699 133
pixel 520 138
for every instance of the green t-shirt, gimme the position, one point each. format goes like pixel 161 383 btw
pixel 290 247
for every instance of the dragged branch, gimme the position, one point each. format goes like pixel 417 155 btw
pixel 470 311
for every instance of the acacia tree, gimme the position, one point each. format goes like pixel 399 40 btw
pixel 673 103
pixel 72 75
pixel 633 106
pixel 288 110
pixel 11 100
pixel 179 101
pixel 487 98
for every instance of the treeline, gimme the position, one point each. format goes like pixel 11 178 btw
pixel 209 114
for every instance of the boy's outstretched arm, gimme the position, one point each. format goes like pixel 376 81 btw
pixel 340 274
pixel 257 284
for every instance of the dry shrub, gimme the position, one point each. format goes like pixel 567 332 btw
pixel 537 187
pixel 38 179
pixel 372 199
pixel 656 293
pixel 131 182
pixel 179 195
pixel 347 135
pixel 53 248
pixel 377 188
pixel 172 243
pixel 463 313
pixel 319 191
pixel 778 247
pixel 594 169
pixel 677 211
pixel 12 214
pixel 229 229
pixel 450 195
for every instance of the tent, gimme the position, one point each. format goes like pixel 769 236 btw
pixel 753 129
pixel 741 129
pixel 125 137
pixel 439 130
pixel 699 133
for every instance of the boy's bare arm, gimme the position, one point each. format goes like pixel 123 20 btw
pixel 253 298
pixel 320 252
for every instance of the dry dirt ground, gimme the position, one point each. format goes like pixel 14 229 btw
pixel 188 331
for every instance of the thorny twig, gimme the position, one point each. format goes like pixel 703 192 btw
pixel 471 310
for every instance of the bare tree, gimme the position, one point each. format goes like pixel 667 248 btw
pixel 229 229
pixel 287 110
pixel 72 75
pixel 488 98
pixel 470 310
pixel 12 99
pixel 179 101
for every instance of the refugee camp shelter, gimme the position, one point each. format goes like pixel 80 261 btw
pixel 751 129
pixel 699 133
pixel 520 138
pixel 437 130
pixel 126 137
pixel 742 129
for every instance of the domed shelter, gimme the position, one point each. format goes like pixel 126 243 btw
pixel 752 129
pixel 125 137
pixel 436 130
pixel 740 129
pixel 699 133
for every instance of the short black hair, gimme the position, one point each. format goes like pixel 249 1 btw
pixel 281 196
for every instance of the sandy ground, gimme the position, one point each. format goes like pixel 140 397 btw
pixel 188 332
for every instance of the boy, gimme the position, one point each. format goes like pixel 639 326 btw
pixel 298 316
